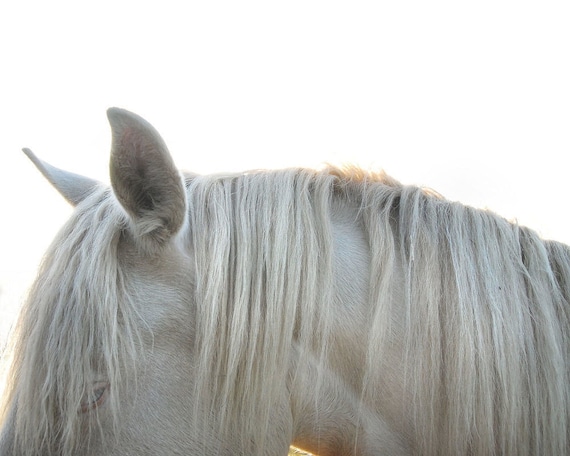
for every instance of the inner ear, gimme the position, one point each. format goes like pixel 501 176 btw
pixel 144 178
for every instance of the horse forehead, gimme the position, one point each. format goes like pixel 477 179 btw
pixel 163 286
pixel 173 265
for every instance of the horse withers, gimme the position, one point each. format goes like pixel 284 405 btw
pixel 335 310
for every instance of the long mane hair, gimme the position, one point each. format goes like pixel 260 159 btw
pixel 77 319
pixel 487 319
pixel 486 304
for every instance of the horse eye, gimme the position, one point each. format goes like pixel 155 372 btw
pixel 96 397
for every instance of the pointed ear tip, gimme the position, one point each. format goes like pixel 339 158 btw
pixel 32 156
pixel 120 118
pixel 114 113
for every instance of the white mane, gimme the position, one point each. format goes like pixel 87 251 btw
pixel 264 282
pixel 485 304
pixel 78 315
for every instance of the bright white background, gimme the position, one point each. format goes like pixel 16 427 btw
pixel 469 98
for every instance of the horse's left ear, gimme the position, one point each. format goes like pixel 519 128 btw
pixel 73 187
pixel 145 180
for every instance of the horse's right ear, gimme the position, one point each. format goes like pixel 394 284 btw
pixel 145 180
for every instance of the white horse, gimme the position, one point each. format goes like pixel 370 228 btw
pixel 338 311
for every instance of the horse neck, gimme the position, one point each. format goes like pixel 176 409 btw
pixel 330 419
pixel 330 413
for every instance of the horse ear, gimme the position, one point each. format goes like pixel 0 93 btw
pixel 145 179
pixel 73 187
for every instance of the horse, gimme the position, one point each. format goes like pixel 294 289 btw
pixel 336 310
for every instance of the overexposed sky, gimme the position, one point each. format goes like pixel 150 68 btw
pixel 469 98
